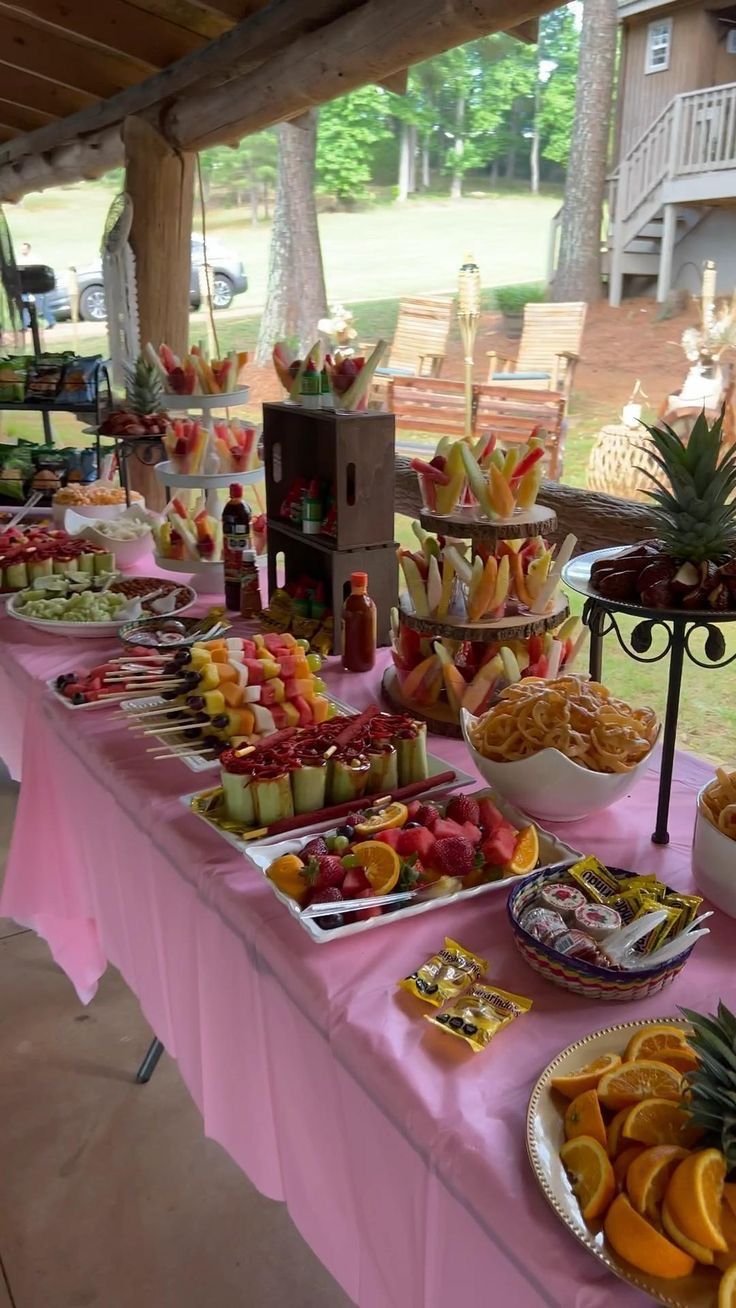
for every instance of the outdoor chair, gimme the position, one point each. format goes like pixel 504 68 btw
pixel 548 351
pixel 420 339
pixel 512 414
pixel 428 404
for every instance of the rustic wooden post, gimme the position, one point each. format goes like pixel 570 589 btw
pixel 160 182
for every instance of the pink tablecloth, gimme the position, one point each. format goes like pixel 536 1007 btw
pixel 402 1160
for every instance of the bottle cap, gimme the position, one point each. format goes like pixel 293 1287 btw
pixel 249 556
pixel 236 491
pixel 358 581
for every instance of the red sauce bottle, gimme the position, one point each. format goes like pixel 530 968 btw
pixel 358 626
pixel 235 539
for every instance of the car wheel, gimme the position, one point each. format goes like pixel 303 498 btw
pixel 222 291
pixel 92 304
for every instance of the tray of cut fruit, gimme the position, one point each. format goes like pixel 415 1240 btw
pixel 630 1135
pixel 393 860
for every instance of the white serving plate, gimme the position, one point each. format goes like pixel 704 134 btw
pixel 86 630
pixel 714 861
pixel 545 1134
pixel 168 476
pixel 76 708
pixel 263 852
pixel 205 403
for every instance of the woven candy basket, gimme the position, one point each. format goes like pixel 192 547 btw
pixel 612 464
pixel 602 983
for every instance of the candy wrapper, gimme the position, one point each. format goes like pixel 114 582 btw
pixel 445 975
pixel 480 1013
pixel 596 882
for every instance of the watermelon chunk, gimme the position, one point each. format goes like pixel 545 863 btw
pixel 444 828
pixel 490 818
pixel 499 848
pixel 390 837
pixel 418 840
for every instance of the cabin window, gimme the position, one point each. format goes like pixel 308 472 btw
pixel 659 44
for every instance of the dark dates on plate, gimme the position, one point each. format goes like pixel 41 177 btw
pixel 619 585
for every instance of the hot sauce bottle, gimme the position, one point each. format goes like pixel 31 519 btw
pixel 358 626
pixel 235 539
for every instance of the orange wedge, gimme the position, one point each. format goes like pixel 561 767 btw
pixel 633 1081
pixel 728 1226
pixel 636 1240
pixel 660 1122
pixel 586 1163
pixel 584 1117
pixel 393 815
pixel 729 1195
pixel 694 1197
pixel 696 1251
pixel 380 863
pixel 623 1163
pixel 615 1140
pixel 526 852
pixel 666 1044
pixel 586 1078
pixel 727 1289
pixel 648 1177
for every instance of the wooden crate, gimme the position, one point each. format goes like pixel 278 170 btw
pixel 316 558
pixel 355 452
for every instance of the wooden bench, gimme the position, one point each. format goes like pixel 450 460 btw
pixel 428 404
pixel 548 351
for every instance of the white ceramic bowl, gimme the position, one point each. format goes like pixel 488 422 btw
pixel 714 863
pixel 105 512
pixel 127 552
pixel 549 786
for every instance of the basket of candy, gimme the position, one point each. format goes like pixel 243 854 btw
pixel 602 932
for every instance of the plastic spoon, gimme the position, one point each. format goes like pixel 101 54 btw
pixel 623 940
pixel 672 948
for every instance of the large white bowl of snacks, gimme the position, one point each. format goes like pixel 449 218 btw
pixel 714 852
pixel 127 535
pixel 99 500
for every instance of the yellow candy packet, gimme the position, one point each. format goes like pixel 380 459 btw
pixel 596 882
pixel 445 975
pixel 480 1013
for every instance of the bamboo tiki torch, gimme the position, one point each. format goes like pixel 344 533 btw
pixel 468 315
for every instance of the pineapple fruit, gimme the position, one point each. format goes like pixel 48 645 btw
pixel 713 1084
pixel 692 563
pixel 144 412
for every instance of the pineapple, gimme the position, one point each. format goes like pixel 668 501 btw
pixel 144 392
pixel 713 1084
pixel 695 517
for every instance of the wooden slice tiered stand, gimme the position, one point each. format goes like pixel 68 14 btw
pixel 467 524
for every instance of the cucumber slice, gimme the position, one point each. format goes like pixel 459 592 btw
pixel 348 781
pixel 237 796
pixel 309 787
pixel 273 798
pixel 413 765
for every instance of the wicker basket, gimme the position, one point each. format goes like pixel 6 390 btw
pixel 611 466
pixel 601 983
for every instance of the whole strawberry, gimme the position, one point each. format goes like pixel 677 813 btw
pixel 426 814
pixel 326 895
pixel 330 872
pixel 454 856
pixel 463 808
pixel 315 848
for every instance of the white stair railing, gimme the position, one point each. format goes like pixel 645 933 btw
pixel 706 139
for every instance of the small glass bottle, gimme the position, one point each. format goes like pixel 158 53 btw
pixel 235 539
pixel 250 589
pixel 312 509
pixel 358 626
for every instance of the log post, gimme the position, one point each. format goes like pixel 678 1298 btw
pixel 160 182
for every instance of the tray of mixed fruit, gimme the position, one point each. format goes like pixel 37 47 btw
pixel 630 1135
pixel 94 605
pixel 399 858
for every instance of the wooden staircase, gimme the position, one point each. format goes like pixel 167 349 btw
pixel 683 165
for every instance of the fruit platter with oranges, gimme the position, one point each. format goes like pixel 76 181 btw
pixel 635 1148
pixel 383 862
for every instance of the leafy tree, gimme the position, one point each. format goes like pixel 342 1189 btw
pixel 244 170
pixel 349 129
pixel 559 46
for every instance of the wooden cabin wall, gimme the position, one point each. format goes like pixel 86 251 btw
pixel 642 96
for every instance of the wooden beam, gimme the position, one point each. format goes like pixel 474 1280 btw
pixel 375 41
pixel 240 49
pixel 20 117
pixel 73 162
pixel 234 10
pixel 186 14
pixel 114 24
pixel 397 82
pixel 528 32
pixel 67 62
pixel 39 93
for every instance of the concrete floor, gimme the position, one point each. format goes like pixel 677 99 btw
pixel 110 1197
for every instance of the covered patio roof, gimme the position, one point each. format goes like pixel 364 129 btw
pixel 202 72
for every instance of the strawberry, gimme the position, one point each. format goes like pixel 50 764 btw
pixel 315 848
pixel 356 884
pixel 426 815
pixel 463 808
pixel 418 840
pixel 454 856
pixel 330 872
pixel 326 895
pixel 489 817
pixel 499 848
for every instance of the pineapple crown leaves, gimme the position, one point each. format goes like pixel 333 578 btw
pixel 712 1085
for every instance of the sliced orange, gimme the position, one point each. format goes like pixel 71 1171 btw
pixel 727 1289
pixel 623 1163
pixel 584 1117
pixel 648 1177
pixel 729 1194
pixel 586 1078
pixel 380 863
pixel 393 815
pixel 696 1251
pixel 633 1081
pixel 526 852
pixel 694 1197
pixel 636 1240
pixel 660 1122
pixel 665 1043
pixel 586 1163
pixel 615 1140
pixel 728 1226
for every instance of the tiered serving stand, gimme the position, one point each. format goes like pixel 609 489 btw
pixel 468 524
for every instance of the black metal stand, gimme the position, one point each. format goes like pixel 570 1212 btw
pixel 150 1062
pixel 679 631
pixel 146 449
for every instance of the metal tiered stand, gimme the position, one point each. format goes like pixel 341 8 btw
pixel 679 628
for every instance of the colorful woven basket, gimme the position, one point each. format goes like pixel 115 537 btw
pixel 610 984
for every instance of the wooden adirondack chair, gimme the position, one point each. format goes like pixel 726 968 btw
pixel 420 340
pixel 548 352
pixel 513 414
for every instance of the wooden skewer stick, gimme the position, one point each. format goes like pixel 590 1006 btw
pixel 163 731
pixel 161 710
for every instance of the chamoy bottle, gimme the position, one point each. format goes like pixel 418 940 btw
pixel 358 626
pixel 250 590
pixel 235 539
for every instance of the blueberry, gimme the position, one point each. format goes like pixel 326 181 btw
pixel 79 698
pixel 411 826
pixel 330 921
pixel 347 831
pixel 64 680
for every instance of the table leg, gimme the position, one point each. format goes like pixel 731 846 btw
pixel 661 835
pixel 148 1066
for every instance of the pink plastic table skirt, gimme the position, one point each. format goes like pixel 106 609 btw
pixel 400 1154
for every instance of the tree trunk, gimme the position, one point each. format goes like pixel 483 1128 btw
pixel 403 163
pixel 253 193
pixel 494 172
pixel 412 133
pixel 426 174
pixel 456 188
pixel 296 281
pixel 578 275
pixel 534 150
